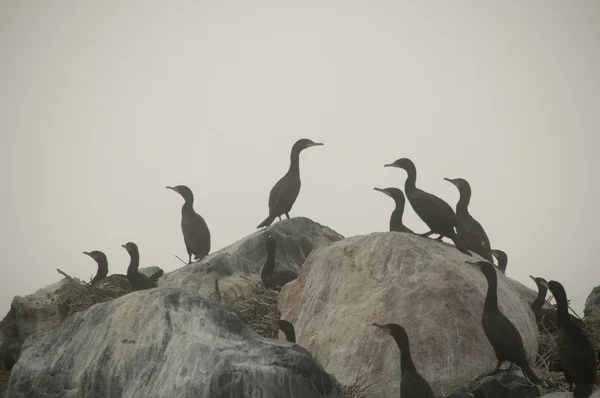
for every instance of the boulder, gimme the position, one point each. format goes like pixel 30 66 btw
pixel 33 313
pixel 164 342
pixel 296 238
pixel 499 385
pixel 591 311
pixel 392 277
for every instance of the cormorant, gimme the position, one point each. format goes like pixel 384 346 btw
pixel 575 350
pixel 469 231
pixel 412 384
pixel 396 217
pixel 499 330
pixel 137 280
pixel 287 329
pixel 437 214
pixel 272 279
pixel 118 280
pixel 547 316
pixel 284 193
pixel 502 259
pixel 195 231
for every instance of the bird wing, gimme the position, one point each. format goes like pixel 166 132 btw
pixel 504 338
pixel 431 209
pixel 577 355
pixel 196 234
pixel 474 237
pixel 412 384
pixel 283 194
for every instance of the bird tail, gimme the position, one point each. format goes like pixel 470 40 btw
pixel 267 221
pixel 582 391
pixel 531 376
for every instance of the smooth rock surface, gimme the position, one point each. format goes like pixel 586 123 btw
pixel 296 238
pixel 164 343
pixel 393 277
pixel 591 311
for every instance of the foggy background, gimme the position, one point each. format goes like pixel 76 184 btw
pixel 104 104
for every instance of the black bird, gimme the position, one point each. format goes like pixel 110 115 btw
pixel 284 193
pixel 118 280
pixel 499 330
pixel 195 231
pixel 437 214
pixel 137 280
pixel 272 279
pixel 412 384
pixel 287 329
pixel 396 217
pixel 502 259
pixel 547 316
pixel 469 231
pixel 575 350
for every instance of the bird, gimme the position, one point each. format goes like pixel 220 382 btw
pixel 502 259
pixel 396 217
pixel 412 384
pixel 547 316
pixel 196 234
pixel 286 190
pixel 437 214
pixel 101 277
pixel 269 278
pixel 137 280
pixel 288 329
pixel 575 350
pixel 503 336
pixel 469 230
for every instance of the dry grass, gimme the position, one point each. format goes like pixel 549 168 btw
pixel 78 296
pixel 362 387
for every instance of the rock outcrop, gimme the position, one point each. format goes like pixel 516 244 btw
pixel 591 312
pixel 296 238
pixel 164 342
pixel 419 283
pixel 498 385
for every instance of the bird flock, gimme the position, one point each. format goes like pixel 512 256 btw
pixel 577 356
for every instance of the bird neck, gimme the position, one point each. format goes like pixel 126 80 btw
pixel 294 163
pixel 411 180
pixel 188 206
pixel 462 207
pixel 406 362
pixel 539 300
pixel 290 335
pixel 101 273
pixel 491 297
pixel 270 263
pixel 396 218
pixel 562 309
pixel 134 263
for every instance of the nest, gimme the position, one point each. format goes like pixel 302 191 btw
pixel 259 306
pixel 362 387
pixel 78 296
pixel 547 364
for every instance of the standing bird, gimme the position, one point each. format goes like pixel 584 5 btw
pixel 396 217
pixel 137 280
pixel 469 231
pixel 499 330
pixel 284 193
pixel 502 259
pixel 118 280
pixel 575 350
pixel 437 214
pixel 412 384
pixel 547 316
pixel 195 231
pixel 269 278
pixel 287 329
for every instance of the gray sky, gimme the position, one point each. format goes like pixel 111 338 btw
pixel 104 104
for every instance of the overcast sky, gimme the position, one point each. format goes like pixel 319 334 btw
pixel 103 104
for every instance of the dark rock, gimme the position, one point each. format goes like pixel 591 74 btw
pixel 591 311
pixel 502 384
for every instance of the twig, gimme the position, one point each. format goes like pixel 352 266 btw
pixel 180 259
pixel 66 276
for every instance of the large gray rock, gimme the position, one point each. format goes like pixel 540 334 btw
pixel 591 312
pixel 296 238
pixel 164 343
pixel 33 313
pixel 393 277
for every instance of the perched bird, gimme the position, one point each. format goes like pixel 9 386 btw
pixel 469 231
pixel 412 384
pixel 547 316
pixel 284 193
pixel 269 278
pixel 137 280
pixel 575 350
pixel 195 231
pixel 499 330
pixel 118 280
pixel 287 329
pixel 437 214
pixel 396 217
pixel 502 259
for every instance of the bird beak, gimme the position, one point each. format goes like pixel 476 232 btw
pixel 314 144
pixel 450 181
pixel 88 253
pixel 382 191
pixel 125 247
pixel 172 188
pixel 381 327
pixel 390 165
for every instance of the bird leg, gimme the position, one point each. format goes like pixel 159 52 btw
pixel 498 365
pixel 279 218
pixel 287 215
pixel 427 234
pixel 190 258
